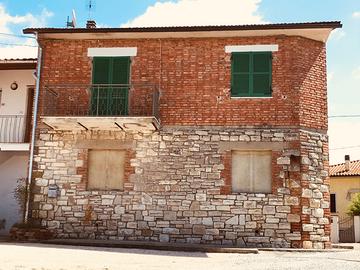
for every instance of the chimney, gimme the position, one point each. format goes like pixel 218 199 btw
pixel 347 163
pixel 90 24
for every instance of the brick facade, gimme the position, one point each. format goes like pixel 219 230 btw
pixel 202 67
pixel 178 179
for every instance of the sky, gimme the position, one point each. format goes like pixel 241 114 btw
pixel 343 46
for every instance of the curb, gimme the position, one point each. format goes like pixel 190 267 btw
pixel 152 246
pixel 301 250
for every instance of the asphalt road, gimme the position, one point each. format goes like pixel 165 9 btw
pixel 46 257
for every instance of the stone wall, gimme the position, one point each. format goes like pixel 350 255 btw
pixel 178 188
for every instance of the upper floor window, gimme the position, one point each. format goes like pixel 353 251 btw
pixel 110 89
pixel 110 78
pixel 251 74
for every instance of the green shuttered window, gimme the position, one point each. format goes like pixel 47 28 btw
pixel 110 86
pixel 251 74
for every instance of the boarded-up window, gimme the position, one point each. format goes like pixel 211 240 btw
pixel 251 171
pixel 106 169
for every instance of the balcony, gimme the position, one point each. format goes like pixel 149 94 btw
pixel 14 133
pixel 133 107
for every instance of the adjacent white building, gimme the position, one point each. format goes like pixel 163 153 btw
pixel 17 83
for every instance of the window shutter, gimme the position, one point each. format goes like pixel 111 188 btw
pixel 251 74
pixel 110 100
pixel 120 70
pixel 240 74
pixel 262 62
pixel 119 94
pixel 240 84
pixel 261 74
pixel 101 75
pixel 101 70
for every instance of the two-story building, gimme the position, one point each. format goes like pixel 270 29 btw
pixel 212 134
pixel 17 85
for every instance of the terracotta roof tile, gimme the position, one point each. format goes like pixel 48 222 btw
pixel 340 170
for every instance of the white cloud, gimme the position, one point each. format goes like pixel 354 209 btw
pixel 356 73
pixel 7 21
pixel 28 20
pixel 337 34
pixel 356 14
pixel 199 12
pixel 28 50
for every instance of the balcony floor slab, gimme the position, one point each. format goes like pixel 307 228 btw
pixel 110 123
pixel 14 146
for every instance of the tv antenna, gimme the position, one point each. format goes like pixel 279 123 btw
pixel 72 23
pixel 90 7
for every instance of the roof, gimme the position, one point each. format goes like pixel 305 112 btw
pixel 306 25
pixel 8 60
pixel 339 169
pixel 18 63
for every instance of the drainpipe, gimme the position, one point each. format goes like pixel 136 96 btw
pixel 33 135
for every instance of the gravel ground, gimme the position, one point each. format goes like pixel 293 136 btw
pixel 46 257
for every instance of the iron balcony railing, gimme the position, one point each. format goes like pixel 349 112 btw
pixel 101 100
pixel 12 128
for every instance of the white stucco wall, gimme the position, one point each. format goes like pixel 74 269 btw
pixel 13 167
pixel 13 102
pixel 334 229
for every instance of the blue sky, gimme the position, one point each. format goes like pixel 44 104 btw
pixel 343 45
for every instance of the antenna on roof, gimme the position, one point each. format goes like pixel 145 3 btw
pixel 72 23
pixel 74 17
pixel 90 6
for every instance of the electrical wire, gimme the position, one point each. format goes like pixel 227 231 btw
pixel 345 116
pixel 345 147
pixel 14 44
pixel 19 36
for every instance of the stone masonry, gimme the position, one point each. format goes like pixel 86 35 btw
pixel 178 179
pixel 178 188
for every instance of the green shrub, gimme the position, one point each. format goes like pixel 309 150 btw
pixel 354 209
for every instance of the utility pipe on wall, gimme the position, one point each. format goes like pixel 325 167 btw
pixel 33 135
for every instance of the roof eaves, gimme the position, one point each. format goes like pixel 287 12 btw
pixel 307 25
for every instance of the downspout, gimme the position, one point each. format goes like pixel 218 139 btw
pixel 33 135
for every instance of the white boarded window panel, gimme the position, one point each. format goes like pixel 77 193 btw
pixel 106 169
pixel 251 171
